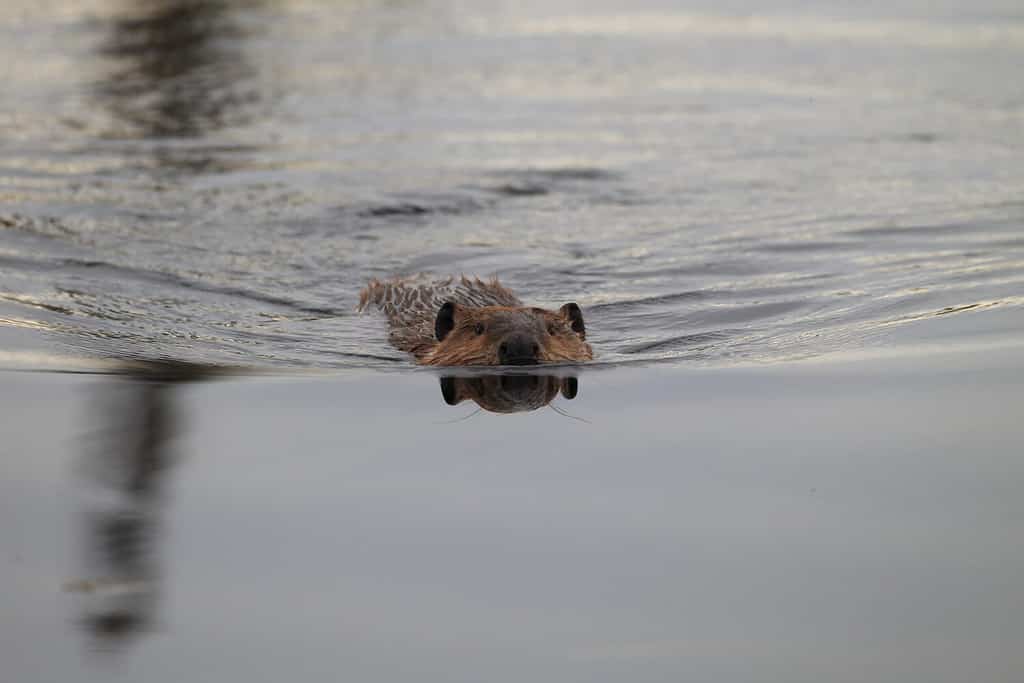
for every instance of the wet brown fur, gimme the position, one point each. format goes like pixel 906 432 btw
pixel 485 313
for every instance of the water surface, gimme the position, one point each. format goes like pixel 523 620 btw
pixel 215 181
pixel 845 521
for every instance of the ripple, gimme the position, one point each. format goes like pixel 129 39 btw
pixel 915 230
pixel 659 300
pixel 443 205
pixel 563 174
pixel 46 226
pixel 681 342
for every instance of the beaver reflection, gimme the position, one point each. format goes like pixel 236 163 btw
pixel 127 465
pixel 508 393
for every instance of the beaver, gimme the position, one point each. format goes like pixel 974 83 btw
pixel 467 321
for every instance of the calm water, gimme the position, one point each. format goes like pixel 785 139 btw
pixel 798 523
pixel 730 181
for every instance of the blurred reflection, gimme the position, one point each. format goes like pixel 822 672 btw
pixel 508 393
pixel 127 464
pixel 179 68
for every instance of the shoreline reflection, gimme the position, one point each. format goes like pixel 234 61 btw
pixel 178 68
pixel 125 469
pixel 128 462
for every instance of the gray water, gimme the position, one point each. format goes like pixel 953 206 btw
pixel 795 523
pixel 719 182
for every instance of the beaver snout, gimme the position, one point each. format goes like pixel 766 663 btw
pixel 518 350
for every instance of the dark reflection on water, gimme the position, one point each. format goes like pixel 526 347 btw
pixel 508 393
pixel 130 458
pixel 179 69
pixel 128 463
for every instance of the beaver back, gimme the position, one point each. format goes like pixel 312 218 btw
pixel 411 305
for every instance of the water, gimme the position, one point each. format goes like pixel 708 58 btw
pixel 789 523
pixel 729 182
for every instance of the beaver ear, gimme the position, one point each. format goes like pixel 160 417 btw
pixel 445 321
pixel 574 315
pixel 450 390
pixel 570 387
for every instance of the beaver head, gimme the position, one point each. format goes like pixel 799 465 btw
pixel 508 335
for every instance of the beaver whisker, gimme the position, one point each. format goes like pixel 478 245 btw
pixel 459 419
pixel 565 414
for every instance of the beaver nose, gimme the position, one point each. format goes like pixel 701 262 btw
pixel 518 350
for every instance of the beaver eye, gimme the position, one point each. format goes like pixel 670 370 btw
pixel 479 329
